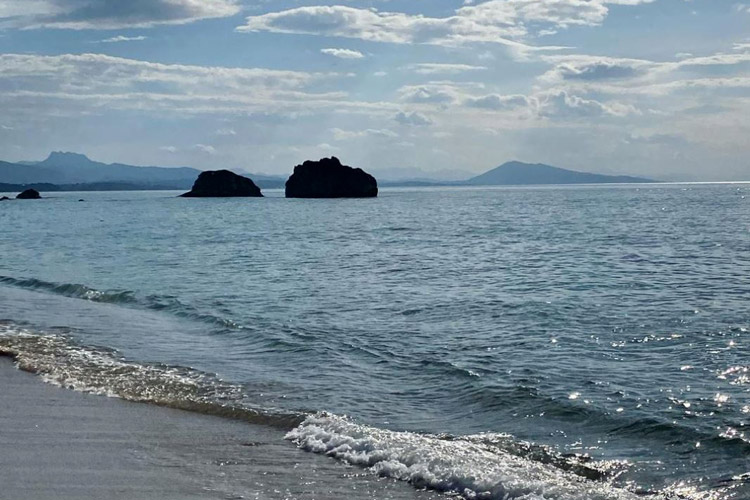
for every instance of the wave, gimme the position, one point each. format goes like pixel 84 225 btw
pixel 61 362
pixel 471 467
pixel 166 303
pixel 484 466
pixel 72 290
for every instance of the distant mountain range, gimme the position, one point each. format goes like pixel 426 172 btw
pixel 71 168
pixel 76 172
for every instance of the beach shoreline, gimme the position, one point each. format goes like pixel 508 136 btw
pixel 62 444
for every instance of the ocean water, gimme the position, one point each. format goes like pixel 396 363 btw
pixel 585 342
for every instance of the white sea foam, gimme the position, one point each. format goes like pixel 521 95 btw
pixel 97 371
pixel 468 467
pixel 473 467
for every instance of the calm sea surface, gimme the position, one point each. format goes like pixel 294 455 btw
pixel 525 338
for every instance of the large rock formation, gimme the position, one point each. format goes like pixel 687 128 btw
pixel 328 178
pixel 29 194
pixel 223 184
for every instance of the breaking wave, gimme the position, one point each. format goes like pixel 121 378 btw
pixel 119 297
pixel 483 466
pixel 61 362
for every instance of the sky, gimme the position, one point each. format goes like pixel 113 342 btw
pixel 402 88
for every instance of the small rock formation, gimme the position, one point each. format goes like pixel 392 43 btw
pixel 223 184
pixel 29 194
pixel 4 198
pixel 328 178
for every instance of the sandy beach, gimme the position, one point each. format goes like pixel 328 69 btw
pixel 61 444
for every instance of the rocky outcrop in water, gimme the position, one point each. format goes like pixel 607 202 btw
pixel 223 184
pixel 29 194
pixel 4 198
pixel 328 178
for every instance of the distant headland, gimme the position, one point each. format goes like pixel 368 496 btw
pixel 62 171
pixel 516 173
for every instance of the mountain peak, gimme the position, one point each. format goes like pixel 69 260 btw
pixel 521 164
pixel 519 173
pixel 65 159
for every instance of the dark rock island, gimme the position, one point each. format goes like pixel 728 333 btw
pixel 223 184
pixel 328 178
pixel 29 194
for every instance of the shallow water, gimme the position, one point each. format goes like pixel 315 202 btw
pixel 572 332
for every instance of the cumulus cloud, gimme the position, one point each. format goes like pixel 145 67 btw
pixel 431 93
pixel 372 25
pixel 497 102
pixel 413 118
pixel 493 21
pixel 439 92
pixel 594 68
pixel 343 53
pixel 111 14
pixel 561 104
pixel 584 73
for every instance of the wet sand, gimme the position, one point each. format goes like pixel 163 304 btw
pixel 60 444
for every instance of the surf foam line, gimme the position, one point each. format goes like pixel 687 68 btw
pixel 61 362
pixel 469 466
pixel 118 297
pixel 483 466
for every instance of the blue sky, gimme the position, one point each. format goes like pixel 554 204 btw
pixel 445 88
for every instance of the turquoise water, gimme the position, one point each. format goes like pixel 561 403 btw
pixel 595 332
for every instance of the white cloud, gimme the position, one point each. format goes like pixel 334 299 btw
pixel 204 148
pixel 561 104
pixel 594 68
pixel 343 53
pixel 436 68
pixel 493 21
pixel 95 82
pixel 111 14
pixel 327 147
pixel 372 25
pixel 584 73
pixel 413 118
pixel 429 93
pixel 497 102
pixel 16 8
pixel 102 73
pixel 344 135
pixel 121 38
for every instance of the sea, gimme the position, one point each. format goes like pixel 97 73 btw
pixel 559 342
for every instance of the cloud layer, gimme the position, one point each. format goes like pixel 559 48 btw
pixel 494 21
pixel 111 14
